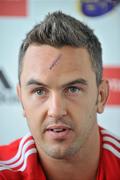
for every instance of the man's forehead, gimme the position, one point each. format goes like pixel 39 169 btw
pixel 45 53
pixel 46 60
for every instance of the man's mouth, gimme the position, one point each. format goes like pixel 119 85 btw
pixel 58 128
pixel 58 131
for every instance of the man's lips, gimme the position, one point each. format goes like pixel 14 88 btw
pixel 58 132
pixel 58 128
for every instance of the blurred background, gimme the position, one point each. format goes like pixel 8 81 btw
pixel 17 17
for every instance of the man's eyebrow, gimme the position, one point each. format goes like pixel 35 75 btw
pixel 34 82
pixel 38 83
pixel 79 81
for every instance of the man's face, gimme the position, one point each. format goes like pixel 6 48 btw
pixel 59 96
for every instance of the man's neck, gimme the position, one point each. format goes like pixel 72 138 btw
pixel 82 166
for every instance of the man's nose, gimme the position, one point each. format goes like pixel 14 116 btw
pixel 57 106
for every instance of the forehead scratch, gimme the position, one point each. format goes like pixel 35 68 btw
pixel 55 62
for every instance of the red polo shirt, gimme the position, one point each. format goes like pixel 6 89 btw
pixel 19 160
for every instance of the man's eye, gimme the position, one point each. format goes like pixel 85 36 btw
pixel 40 92
pixel 73 90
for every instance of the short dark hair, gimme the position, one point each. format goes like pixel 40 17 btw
pixel 58 30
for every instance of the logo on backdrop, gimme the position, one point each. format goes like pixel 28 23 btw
pixel 113 76
pixel 13 7
pixel 7 94
pixel 93 8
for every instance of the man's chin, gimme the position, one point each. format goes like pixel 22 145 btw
pixel 59 152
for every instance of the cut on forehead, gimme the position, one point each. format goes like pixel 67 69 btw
pixel 55 62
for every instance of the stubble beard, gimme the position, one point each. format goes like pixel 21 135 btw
pixel 61 151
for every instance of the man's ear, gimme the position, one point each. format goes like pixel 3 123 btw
pixel 18 89
pixel 103 92
pixel 19 94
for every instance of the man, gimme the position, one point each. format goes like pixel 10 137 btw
pixel 61 90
